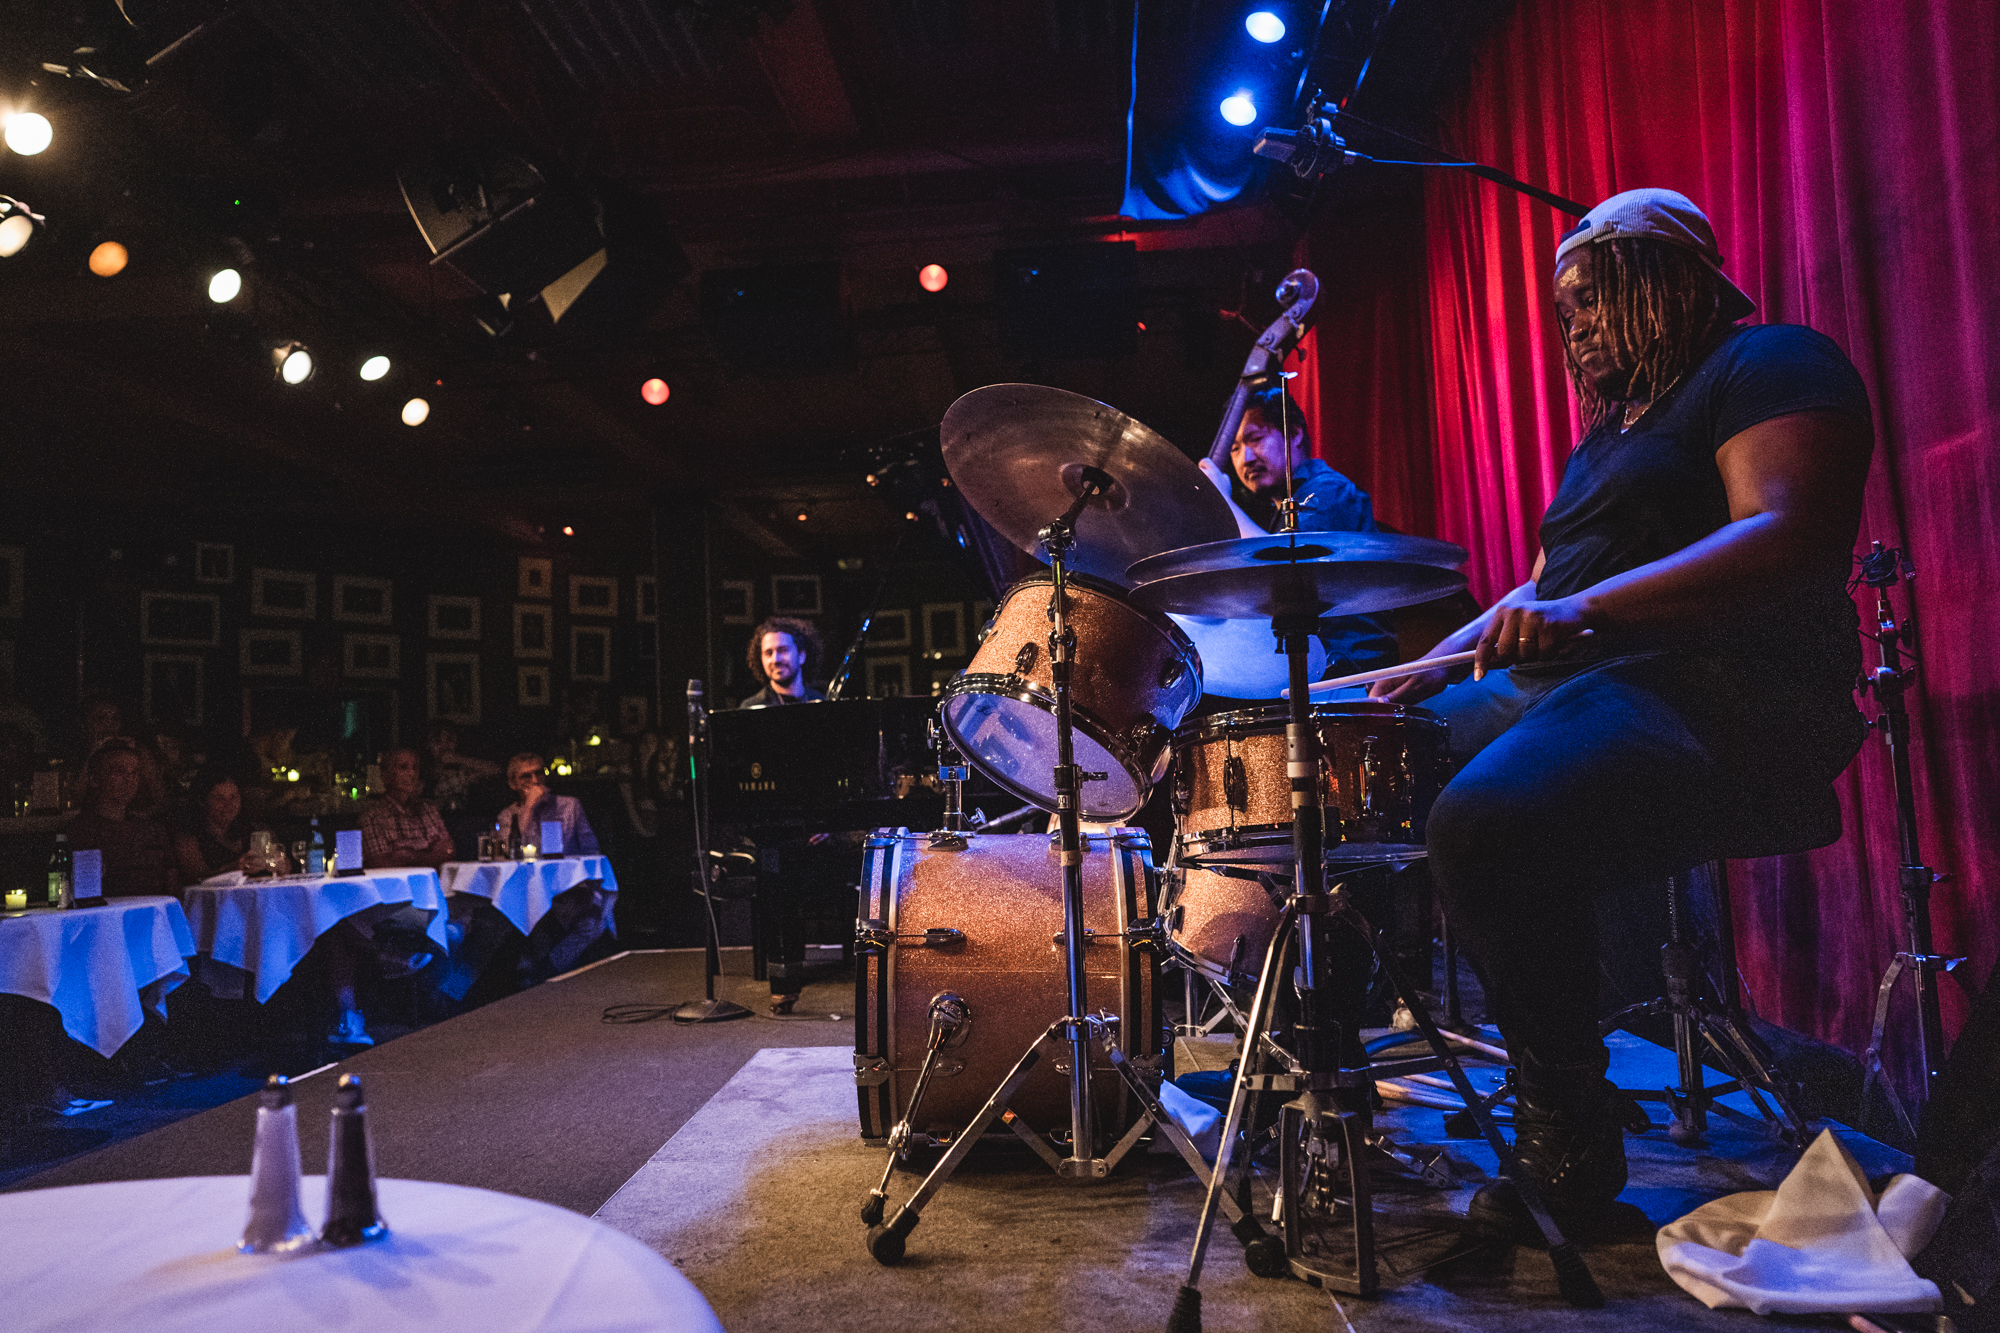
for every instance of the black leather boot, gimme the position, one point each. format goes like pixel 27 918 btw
pixel 1569 1140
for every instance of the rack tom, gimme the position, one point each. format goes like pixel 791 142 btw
pixel 1136 676
pixel 1381 768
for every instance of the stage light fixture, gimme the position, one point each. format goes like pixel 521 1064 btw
pixel 15 232
pixel 415 412
pixel 224 285
pixel 28 132
pixel 1265 26
pixel 108 260
pixel 932 277
pixel 374 368
pixel 568 530
pixel 803 515
pixel 654 391
pixel 1238 109
pixel 294 362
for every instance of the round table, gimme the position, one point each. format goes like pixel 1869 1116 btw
pixel 160 1256
pixel 524 890
pixel 265 926
pixel 102 968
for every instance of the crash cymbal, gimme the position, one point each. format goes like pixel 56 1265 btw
pixel 1240 658
pixel 1017 452
pixel 1321 573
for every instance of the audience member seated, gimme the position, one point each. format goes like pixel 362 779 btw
pixel 451 773
pixel 214 834
pixel 138 856
pixel 538 805
pixel 400 827
pixel 100 718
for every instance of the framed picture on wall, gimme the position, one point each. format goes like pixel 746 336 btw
pixel 180 619
pixel 890 629
pixel 795 594
pixel 888 677
pixel 454 617
pixel 537 577
pixel 944 630
pixel 172 689
pixel 361 601
pixel 291 594
pixel 533 636
pixel 533 686
pixel 371 656
pixel 593 595
pixel 646 599
pixel 13 580
pixel 738 602
pixel 452 687
pixel 214 562
pixel 589 653
pixel 272 652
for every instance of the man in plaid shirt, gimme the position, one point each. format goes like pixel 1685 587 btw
pixel 401 828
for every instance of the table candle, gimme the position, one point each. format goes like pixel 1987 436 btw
pixel 16 899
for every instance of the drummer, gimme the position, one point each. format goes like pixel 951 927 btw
pixel 1684 653
pixel 1273 428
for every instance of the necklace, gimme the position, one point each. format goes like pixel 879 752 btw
pixel 1634 411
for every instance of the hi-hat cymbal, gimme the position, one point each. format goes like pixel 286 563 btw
pixel 1017 452
pixel 1318 573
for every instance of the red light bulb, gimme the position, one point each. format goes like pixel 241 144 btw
pixel 654 391
pixel 932 277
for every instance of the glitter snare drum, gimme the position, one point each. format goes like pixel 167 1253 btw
pixel 1137 675
pixel 1382 767
pixel 981 921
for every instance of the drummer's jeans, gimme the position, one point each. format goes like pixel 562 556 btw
pixel 1567 783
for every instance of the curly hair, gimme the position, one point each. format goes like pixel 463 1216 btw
pixel 1660 304
pixel 803 635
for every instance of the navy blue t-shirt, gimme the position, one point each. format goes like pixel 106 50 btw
pixel 1629 498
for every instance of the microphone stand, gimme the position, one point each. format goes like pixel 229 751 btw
pixel 1882 570
pixel 709 1010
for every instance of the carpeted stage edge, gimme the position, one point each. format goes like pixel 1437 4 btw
pixel 755 1193
pixel 531 1095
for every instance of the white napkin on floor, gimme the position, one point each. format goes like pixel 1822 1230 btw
pixel 1197 1119
pixel 1821 1243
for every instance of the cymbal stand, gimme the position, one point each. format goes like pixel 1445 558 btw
pixel 1078 1030
pixel 1329 1120
pixel 1882 570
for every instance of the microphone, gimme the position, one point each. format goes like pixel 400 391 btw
pixel 1311 150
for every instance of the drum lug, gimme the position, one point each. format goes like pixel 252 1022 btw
pixel 870 1071
pixel 946 840
pixel 876 937
pixel 1235 783
pixel 1024 660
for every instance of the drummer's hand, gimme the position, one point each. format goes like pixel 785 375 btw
pixel 1531 632
pixel 1410 689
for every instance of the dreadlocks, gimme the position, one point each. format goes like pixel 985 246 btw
pixel 1660 305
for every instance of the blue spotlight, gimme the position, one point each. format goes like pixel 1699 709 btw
pixel 1265 26
pixel 1238 109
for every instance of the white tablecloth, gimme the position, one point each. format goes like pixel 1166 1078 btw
pixel 523 890
pixel 266 926
pixel 158 1256
pixel 101 967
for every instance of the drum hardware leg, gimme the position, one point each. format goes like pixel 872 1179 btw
pixel 1699 1030
pixel 951 1019
pixel 886 1241
pixel 1573 1277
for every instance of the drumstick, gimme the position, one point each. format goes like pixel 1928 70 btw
pixel 1416 668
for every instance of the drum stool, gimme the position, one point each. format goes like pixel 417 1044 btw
pixel 1713 1030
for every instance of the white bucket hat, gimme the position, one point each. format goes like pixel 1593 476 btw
pixel 1661 215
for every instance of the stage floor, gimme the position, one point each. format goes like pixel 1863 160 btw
pixel 734 1150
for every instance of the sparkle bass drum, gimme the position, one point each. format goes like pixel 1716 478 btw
pixel 1221 925
pixel 1382 766
pixel 993 910
pixel 1137 675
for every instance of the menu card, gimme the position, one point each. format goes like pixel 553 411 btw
pixel 87 873
pixel 346 850
pixel 552 837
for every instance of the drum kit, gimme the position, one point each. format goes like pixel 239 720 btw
pixel 1078 700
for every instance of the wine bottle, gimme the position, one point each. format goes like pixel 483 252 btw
pixel 61 881
pixel 514 841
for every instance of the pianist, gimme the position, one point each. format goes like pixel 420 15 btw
pixel 780 653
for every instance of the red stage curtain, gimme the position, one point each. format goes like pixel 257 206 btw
pixel 1846 150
